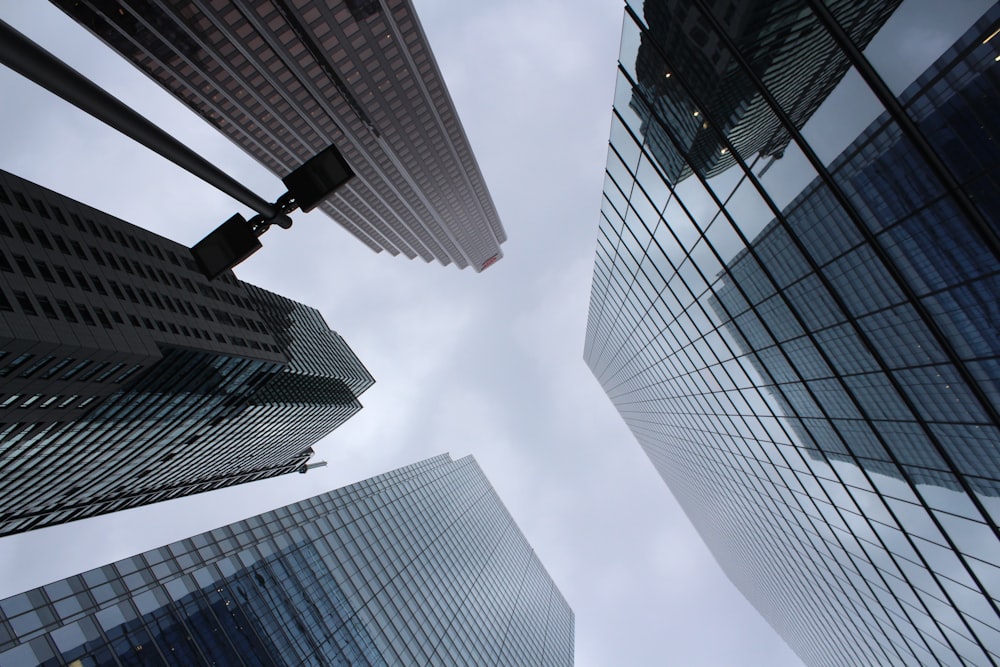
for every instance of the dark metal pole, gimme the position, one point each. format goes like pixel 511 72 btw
pixel 35 63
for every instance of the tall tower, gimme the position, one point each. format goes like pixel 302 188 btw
pixel 286 79
pixel 817 380
pixel 419 566
pixel 128 378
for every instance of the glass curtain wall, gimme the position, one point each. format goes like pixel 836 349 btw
pixel 795 309
pixel 421 565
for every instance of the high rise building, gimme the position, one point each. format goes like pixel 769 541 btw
pixel 818 380
pixel 419 566
pixel 286 79
pixel 127 378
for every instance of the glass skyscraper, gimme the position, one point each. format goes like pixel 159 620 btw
pixel 805 342
pixel 419 566
pixel 126 377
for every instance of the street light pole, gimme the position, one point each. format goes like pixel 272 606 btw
pixel 35 63
pixel 234 240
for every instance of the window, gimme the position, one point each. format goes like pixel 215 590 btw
pixel 21 201
pixel 45 272
pixel 56 368
pixel 106 374
pixel 22 231
pixel 33 368
pixel 15 363
pixel 42 210
pixel 93 370
pixel 47 307
pixel 85 314
pixel 31 399
pixel 24 266
pixel 76 369
pixel 67 311
pixel 64 276
pixel 127 373
pixel 103 318
pixel 25 303
pixel 82 281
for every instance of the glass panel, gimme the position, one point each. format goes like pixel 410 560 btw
pixel 827 289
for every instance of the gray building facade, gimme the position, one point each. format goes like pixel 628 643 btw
pixel 419 566
pixel 815 374
pixel 128 378
pixel 285 79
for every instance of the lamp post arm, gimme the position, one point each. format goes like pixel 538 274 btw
pixel 35 63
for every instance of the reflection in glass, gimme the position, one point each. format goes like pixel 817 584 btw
pixel 811 362
pixel 418 566
pixel 696 102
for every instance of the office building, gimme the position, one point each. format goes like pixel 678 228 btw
pixel 127 378
pixel 419 566
pixel 816 375
pixel 284 79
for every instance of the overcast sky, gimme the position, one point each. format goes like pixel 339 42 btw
pixel 488 364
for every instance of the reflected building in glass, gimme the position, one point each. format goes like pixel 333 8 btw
pixel 422 565
pixel 127 378
pixel 815 371
pixel 797 61
pixel 285 79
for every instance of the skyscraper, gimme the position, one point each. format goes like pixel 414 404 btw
pixel 286 79
pixel 817 380
pixel 128 378
pixel 419 566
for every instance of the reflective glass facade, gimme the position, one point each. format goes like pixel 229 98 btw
pixel 286 78
pixel 801 332
pixel 419 566
pixel 127 378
